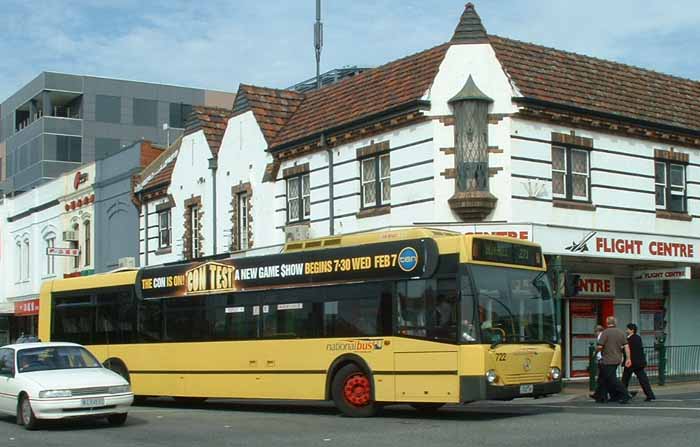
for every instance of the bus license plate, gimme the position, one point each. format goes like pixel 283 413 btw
pixel 526 389
pixel 94 402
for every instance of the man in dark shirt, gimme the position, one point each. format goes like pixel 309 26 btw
pixel 639 362
pixel 611 344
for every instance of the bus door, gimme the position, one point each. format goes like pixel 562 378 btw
pixel 426 357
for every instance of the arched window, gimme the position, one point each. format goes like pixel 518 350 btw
pixel 76 244
pixel 50 240
pixel 86 227
pixel 19 263
pixel 27 261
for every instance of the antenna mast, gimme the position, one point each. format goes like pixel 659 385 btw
pixel 318 42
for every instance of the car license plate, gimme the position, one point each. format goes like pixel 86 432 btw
pixel 94 402
pixel 526 389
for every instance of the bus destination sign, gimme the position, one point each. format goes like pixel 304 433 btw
pixel 386 260
pixel 489 250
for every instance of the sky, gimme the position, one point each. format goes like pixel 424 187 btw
pixel 217 44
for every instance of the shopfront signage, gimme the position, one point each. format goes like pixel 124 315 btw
pixel 79 179
pixel 391 260
pixel 58 251
pixel 522 232
pixel 596 285
pixel 26 308
pixel 662 274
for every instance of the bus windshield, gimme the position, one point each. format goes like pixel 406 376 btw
pixel 513 305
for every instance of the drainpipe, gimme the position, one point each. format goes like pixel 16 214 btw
pixel 145 232
pixel 213 165
pixel 331 204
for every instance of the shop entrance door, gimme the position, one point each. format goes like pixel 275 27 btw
pixel 624 313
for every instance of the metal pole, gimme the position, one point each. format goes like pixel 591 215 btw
pixel 213 165
pixel 318 42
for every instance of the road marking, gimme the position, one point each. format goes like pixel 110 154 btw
pixel 624 407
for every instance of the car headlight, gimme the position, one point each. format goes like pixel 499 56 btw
pixel 555 373
pixel 119 389
pixel 491 376
pixel 49 394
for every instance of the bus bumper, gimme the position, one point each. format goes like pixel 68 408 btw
pixel 476 388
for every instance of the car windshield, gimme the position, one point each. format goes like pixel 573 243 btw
pixel 514 305
pixel 55 357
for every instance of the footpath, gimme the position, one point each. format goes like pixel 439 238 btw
pixel 580 389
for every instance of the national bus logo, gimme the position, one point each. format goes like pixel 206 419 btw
pixel 408 259
pixel 356 345
pixel 210 277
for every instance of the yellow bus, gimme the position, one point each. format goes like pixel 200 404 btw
pixel 418 316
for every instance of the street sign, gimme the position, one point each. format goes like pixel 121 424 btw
pixel 58 251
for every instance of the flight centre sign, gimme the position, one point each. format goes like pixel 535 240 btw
pixel 416 258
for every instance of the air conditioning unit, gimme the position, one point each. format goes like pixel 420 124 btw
pixel 128 262
pixel 296 232
pixel 70 236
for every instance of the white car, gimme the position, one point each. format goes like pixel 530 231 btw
pixel 58 381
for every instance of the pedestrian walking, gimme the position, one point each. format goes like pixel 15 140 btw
pixel 611 344
pixel 639 362
pixel 600 394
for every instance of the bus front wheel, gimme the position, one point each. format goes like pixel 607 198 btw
pixel 352 392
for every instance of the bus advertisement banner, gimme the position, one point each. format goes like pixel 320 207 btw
pixel 416 258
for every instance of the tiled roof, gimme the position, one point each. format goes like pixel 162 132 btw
pixel 586 82
pixel 160 170
pixel 374 91
pixel 271 107
pixel 149 152
pixel 213 121
pixel 162 177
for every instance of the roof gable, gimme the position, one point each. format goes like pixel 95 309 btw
pixel 271 107
pixel 211 120
pixel 586 82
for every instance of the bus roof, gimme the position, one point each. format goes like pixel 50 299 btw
pixel 368 237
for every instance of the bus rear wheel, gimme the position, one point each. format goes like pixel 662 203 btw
pixel 352 392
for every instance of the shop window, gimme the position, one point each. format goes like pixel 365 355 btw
pixel 570 173
pixel 670 185
pixel 194 231
pixel 376 181
pixel 298 198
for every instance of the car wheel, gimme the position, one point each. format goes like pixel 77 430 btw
pixel 351 390
pixel 427 407
pixel 117 419
pixel 26 414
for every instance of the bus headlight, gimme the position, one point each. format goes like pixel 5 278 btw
pixel 555 373
pixel 491 376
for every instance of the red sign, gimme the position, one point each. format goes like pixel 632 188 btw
pixel 79 179
pixel 57 251
pixel 596 285
pixel 25 308
pixel 634 247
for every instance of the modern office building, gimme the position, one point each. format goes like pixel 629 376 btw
pixel 58 121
